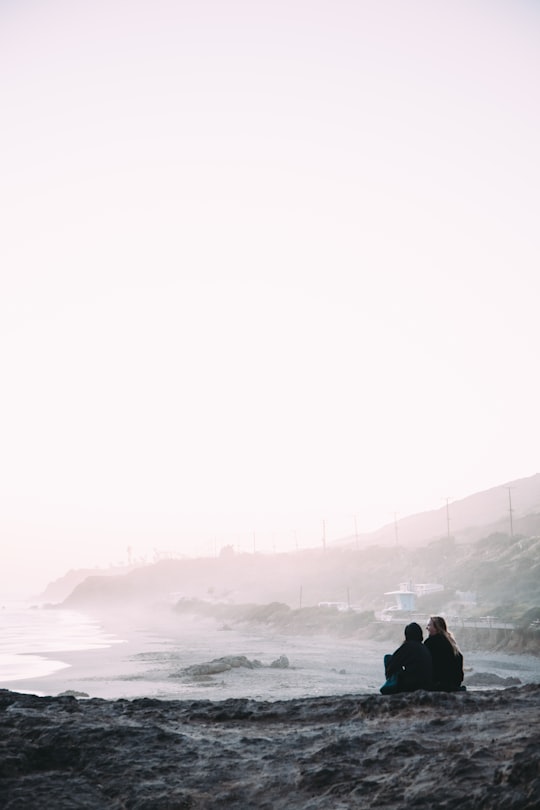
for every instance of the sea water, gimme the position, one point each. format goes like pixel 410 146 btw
pixel 33 640
pixel 30 635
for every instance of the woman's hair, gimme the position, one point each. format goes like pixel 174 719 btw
pixel 440 626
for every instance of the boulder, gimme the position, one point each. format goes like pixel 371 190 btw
pixel 223 664
pixel 490 679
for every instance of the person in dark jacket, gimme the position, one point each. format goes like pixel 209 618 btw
pixel 409 668
pixel 446 656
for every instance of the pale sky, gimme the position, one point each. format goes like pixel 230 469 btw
pixel 263 264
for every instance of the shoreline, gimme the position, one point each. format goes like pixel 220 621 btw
pixel 146 660
pixel 81 668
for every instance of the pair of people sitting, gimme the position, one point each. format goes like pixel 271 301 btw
pixel 435 664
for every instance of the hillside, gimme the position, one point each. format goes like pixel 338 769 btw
pixel 57 590
pixel 503 572
pixel 471 518
pixel 501 569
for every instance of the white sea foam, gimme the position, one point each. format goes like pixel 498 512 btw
pixel 27 630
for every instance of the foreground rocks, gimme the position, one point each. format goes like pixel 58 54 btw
pixel 426 750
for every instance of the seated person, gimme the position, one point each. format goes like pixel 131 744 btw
pixel 446 656
pixel 409 668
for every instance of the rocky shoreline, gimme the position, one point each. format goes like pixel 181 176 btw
pixel 472 749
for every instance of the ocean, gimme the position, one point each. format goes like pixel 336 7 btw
pixel 31 637
pixel 48 651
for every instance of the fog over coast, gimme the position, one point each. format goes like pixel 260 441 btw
pixel 251 679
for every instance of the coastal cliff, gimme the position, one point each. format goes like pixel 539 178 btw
pixel 472 749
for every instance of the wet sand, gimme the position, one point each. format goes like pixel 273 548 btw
pixel 150 659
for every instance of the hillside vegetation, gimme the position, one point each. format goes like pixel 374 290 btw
pixel 502 572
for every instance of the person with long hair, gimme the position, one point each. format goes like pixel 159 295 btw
pixel 446 656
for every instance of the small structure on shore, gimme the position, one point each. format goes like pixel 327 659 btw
pixel 405 598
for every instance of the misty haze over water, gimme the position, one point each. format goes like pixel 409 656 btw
pixel 147 661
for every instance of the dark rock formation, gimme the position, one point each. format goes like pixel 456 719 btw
pixel 490 679
pixel 472 750
pixel 217 665
pixel 280 663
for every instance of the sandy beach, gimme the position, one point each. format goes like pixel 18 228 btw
pixel 153 656
pixel 150 661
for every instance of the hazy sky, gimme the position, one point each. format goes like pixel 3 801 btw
pixel 262 264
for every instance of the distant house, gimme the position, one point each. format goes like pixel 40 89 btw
pixel 405 598
pixel 423 589
pixel 337 605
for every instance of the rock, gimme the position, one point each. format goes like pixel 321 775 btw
pixel 280 663
pixel 236 661
pixel 490 679
pixel 218 665
pixel 208 668
pixel 73 693
pixel 425 749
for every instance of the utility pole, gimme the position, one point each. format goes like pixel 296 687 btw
pixel 447 519
pixel 510 510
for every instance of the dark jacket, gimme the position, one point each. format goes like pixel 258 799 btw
pixel 412 663
pixel 447 666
